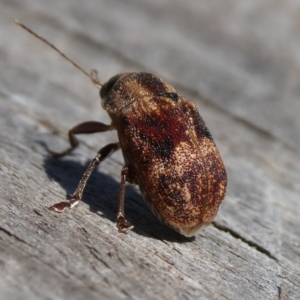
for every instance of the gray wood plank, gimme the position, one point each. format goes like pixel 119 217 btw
pixel 239 61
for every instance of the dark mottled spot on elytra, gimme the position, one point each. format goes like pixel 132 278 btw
pixel 202 130
pixel 174 195
pixel 151 83
pixel 165 180
pixel 173 96
pixel 197 121
pixel 199 124
pixel 164 148
pixel 162 132
pixel 191 177
pixel 153 121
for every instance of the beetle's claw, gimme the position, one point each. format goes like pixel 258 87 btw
pixel 61 206
pixel 123 225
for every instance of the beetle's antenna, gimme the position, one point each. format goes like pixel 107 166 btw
pixel 93 75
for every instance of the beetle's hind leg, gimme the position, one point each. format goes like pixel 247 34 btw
pixel 122 224
pixel 102 154
pixel 83 128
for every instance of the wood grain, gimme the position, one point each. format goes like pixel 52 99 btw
pixel 239 61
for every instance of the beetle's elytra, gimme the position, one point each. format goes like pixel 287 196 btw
pixel 167 148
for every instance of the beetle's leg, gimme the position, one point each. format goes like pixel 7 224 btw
pixel 122 224
pixel 102 154
pixel 83 128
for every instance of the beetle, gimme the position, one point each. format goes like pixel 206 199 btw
pixel 168 150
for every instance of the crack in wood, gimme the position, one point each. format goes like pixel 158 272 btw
pixel 95 253
pixel 14 236
pixel 252 244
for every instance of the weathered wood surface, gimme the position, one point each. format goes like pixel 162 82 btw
pixel 239 61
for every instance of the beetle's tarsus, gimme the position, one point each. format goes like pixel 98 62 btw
pixel 61 206
pixel 123 225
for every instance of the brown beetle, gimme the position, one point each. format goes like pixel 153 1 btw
pixel 167 148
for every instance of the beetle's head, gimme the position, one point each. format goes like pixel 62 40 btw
pixel 116 93
pixel 109 86
pixel 124 89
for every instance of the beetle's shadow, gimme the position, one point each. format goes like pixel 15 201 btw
pixel 101 195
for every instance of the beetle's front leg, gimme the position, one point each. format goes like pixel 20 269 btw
pixel 122 224
pixel 102 154
pixel 83 128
